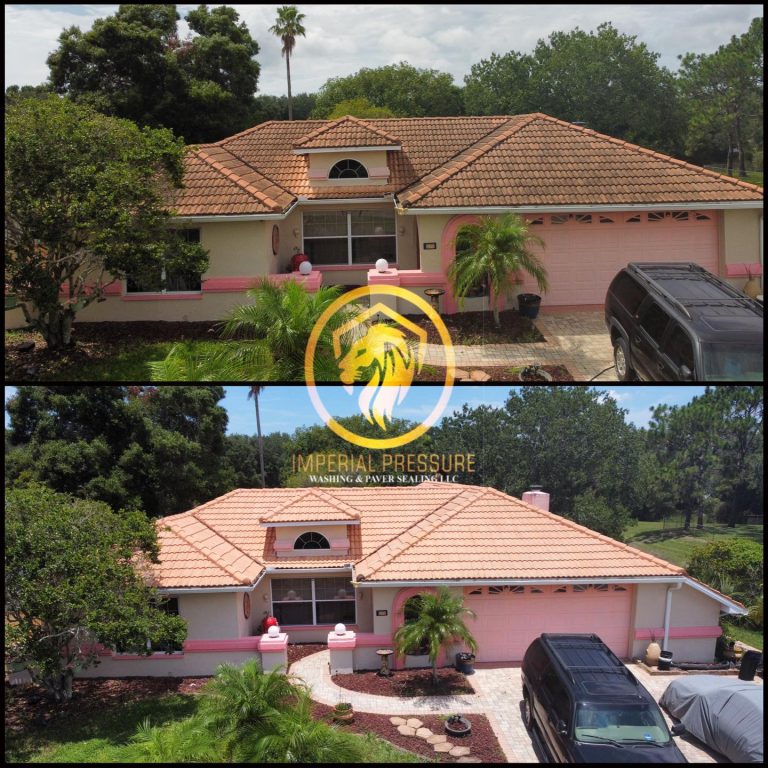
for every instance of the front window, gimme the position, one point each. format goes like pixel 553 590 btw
pixel 730 361
pixel 348 169
pixel 313 601
pixel 160 280
pixel 350 237
pixel 311 540
pixel 600 723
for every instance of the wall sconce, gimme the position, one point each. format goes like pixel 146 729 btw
pixel 401 229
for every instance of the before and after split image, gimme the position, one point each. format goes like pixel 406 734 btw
pixel 380 397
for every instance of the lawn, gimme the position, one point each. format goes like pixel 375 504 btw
pixel 753 177
pixel 96 727
pixel 674 544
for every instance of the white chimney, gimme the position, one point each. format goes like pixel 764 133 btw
pixel 537 498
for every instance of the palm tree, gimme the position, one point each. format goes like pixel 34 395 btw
pixel 253 392
pixel 491 252
pixel 287 28
pixel 439 623
pixel 272 335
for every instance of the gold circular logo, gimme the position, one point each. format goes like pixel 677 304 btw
pixel 386 350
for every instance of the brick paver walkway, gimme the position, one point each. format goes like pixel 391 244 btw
pixel 498 693
pixel 578 340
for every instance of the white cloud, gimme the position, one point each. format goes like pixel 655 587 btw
pixel 341 39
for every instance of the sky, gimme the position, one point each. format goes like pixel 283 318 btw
pixel 340 40
pixel 285 408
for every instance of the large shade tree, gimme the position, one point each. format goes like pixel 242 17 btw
pixel 135 65
pixel 86 205
pixel 288 27
pixel 70 581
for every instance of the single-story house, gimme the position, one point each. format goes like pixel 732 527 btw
pixel 316 557
pixel 349 192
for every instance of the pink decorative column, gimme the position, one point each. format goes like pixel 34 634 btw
pixel 341 644
pixel 311 282
pixel 274 650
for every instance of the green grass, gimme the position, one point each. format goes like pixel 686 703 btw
pixel 101 736
pixel 753 177
pixel 674 544
pixel 748 635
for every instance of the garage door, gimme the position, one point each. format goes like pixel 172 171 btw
pixel 510 618
pixel 583 252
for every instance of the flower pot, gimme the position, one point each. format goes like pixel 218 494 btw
pixel 465 663
pixel 528 304
pixel 458 726
pixel 343 714
pixel 752 288
pixel 652 653
pixel 665 661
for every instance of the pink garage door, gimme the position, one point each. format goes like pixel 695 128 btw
pixel 583 252
pixel 510 618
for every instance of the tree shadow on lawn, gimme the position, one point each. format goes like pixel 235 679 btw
pixel 753 532
pixel 106 710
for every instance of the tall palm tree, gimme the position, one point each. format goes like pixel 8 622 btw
pixel 288 27
pixel 439 623
pixel 491 252
pixel 253 392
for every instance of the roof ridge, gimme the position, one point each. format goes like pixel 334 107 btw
pixel 194 510
pixel 399 546
pixel 339 504
pixel 463 159
pixel 333 124
pixel 278 510
pixel 653 153
pixel 261 173
pixel 217 563
pixel 572 524
pixel 235 179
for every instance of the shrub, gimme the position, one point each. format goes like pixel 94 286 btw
pixel 734 566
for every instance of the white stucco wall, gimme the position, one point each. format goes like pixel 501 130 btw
pixel 690 608
pixel 740 240
pixel 213 616
pixel 186 665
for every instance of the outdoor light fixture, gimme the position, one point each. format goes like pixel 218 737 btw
pixel 382 265
pixel 305 268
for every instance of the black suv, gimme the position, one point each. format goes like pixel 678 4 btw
pixel 678 322
pixel 588 707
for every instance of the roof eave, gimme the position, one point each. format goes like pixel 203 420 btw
pixel 685 206
pixel 367 148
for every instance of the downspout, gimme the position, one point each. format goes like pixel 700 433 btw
pixel 667 612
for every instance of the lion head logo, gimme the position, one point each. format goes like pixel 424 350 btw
pixel 385 358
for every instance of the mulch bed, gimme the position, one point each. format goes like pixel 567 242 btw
pixel 95 341
pixel 472 328
pixel 406 682
pixel 497 373
pixel 482 741
pixel 27 705
pixel 301 650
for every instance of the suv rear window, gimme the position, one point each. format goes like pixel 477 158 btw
pixel 629 291
pixel 679 348
pixel 654 322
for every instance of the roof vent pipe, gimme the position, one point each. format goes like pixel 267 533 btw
pixel 537 498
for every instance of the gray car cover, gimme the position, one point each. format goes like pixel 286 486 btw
pixel 725 714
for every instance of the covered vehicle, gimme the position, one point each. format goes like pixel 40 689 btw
pixel 726 714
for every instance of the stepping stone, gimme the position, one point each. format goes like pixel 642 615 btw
pixel 25 346
pixel 424 733
pixel 442 747
pixel 397 720
pixel 405 730
pixel 469 759
pixel 459 752
pixel 414 723
pixel 479 376
pixel 461 374
pixel 438 738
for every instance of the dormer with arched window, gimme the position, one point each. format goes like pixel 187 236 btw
pixel 348 169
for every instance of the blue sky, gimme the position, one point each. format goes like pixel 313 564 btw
pixel 284 408
pixel 342 39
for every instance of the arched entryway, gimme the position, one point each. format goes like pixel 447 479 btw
pixel 448 253
pixel 403 603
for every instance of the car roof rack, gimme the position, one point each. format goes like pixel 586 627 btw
pixel 559 643
pixel 646 271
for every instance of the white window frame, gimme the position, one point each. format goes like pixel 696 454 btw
pixel 314 599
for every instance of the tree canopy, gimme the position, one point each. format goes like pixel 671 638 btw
pixel 85 205
pixel 134 65
pixel 402 88
pixel 70 581
pixel 161 450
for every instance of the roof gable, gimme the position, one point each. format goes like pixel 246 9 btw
pixel 311 507
pixel 345 133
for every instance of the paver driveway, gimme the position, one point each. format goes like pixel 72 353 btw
pixel 578 340
pixel 498 695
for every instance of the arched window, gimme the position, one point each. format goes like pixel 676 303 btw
pixel 311 540
pixel 348 169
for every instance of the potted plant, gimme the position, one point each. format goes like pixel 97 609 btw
pixel 752 286
pixel 457 725
pixel 343 712
pixel 652 652
pixel 465 662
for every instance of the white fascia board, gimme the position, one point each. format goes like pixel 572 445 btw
pixel 730 606
pixel 212 590
pixel 317 523
pixel 320 150
pixel 586 208
pixel 238 216
pixel 273 571
pixel 345 200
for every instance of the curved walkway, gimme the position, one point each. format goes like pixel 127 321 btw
pixel 496 703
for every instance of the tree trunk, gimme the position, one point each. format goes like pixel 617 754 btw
pixel 435 679
pixel 261 443
pixel 700 517
pixel 56 327
pixel 740 150
pixel 494 299
pixel 288 68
